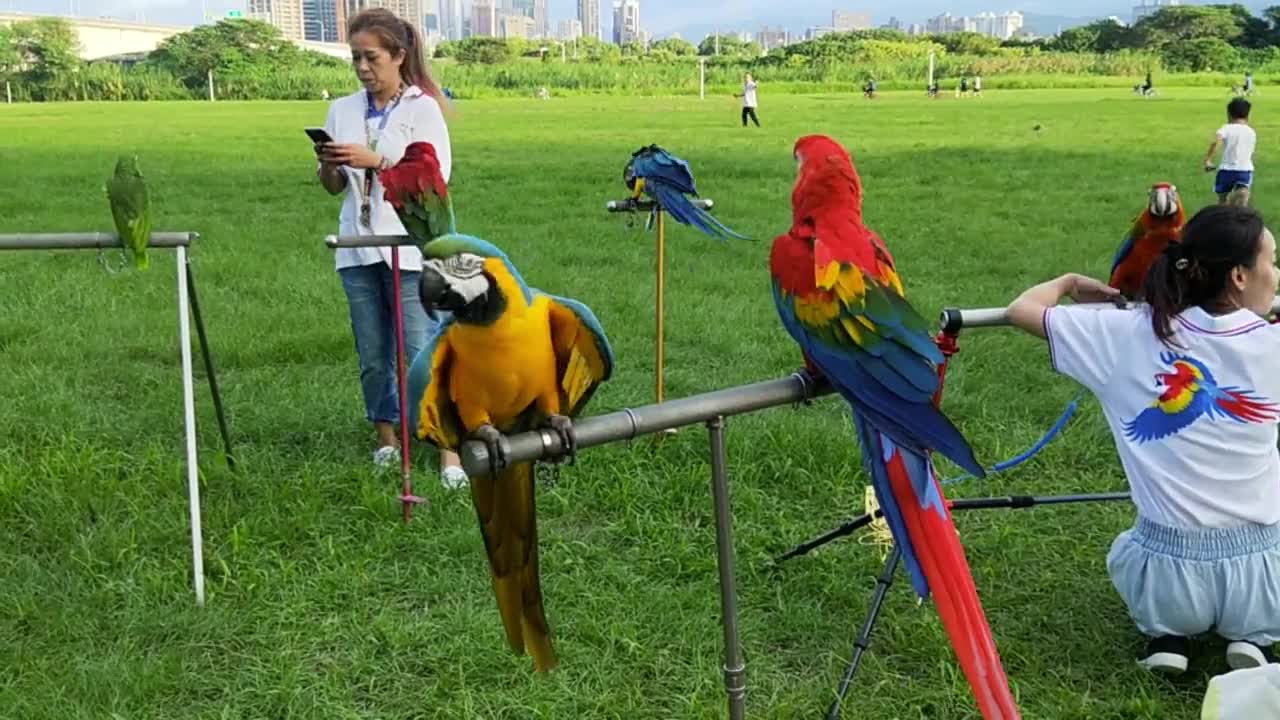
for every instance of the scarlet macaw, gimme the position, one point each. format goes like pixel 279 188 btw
pixel 1159 224
pixel 667 179
pixel 839 296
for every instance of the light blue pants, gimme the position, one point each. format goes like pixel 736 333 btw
pixel 369 291
pixel 1187 582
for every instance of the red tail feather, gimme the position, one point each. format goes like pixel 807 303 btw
pixel 942 559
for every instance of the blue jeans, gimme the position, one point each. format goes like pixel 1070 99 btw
pixel 371 301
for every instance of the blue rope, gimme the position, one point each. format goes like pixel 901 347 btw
pixel 1030 452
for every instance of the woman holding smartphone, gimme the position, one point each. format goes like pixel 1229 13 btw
pixel 399 104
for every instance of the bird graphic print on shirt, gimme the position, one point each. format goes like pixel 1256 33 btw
pixel 1190 392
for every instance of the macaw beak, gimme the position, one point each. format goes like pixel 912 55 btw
pixel 432 288
pixel 1164 201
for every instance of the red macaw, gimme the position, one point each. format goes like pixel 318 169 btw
pixel 840 297
pixel 1158 225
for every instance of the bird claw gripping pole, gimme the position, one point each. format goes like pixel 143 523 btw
pixel 102 260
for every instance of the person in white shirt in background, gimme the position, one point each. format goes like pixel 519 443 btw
pixel 399 105
pixel 1189 388
pixel 1235 172
pixel 749 103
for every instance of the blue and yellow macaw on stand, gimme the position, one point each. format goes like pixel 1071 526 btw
pixel 508 360
pixel 667 180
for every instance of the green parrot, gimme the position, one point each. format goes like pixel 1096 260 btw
pixel 131 208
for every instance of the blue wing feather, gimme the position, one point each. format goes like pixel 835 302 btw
pixel 1126 247
pixel 909 418
pixel 876 450
pixel 668 181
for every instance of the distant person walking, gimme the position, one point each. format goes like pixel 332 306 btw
pixel 749 102
pixel 1238 141
pixel 977 86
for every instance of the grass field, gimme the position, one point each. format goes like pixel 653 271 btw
pixel 323 605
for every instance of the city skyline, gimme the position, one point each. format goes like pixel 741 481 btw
pixel 660 18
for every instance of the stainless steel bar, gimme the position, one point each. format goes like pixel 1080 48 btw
pixel 629 205
pixel 358 241
pixel 89 241
pixel 954 319
pixel 632 423
pixel 735 671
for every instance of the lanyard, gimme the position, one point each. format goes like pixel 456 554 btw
pixel 366 211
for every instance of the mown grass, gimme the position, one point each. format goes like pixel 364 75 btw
pixel 323 605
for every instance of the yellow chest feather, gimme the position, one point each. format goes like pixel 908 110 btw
pixel 503 367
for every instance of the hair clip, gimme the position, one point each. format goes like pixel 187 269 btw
pixel 1181 264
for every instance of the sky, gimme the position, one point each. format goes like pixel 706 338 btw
pixel 691 18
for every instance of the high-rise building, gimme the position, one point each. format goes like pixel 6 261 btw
pixel 320 20
pixel 513 27
pixel 589 16
pixel 410 10
pixel 451 18
pixel 844 21
pixel 541 19
pixel 284 14
pixel 626 21
pixel 484 19
pixel 570 30
pixel 773 39
pixel 1006 25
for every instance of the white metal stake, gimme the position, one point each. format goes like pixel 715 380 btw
pixel 8 92
pixel 189 412
pixel 702 80
pixel 210 86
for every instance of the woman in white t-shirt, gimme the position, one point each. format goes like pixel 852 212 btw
pixel 1189 388
pixel 398 105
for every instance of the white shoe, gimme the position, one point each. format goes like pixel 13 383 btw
pixel 1242 654
pixel 454 478
pixel 386 456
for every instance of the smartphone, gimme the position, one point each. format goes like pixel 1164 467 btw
pixel 318 135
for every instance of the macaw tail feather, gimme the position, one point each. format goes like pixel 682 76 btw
pixel 684 211
pixel 511 542
pixel 911 498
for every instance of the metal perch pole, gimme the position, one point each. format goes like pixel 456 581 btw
pixel 709 408
pixel 395 242
pixel 179 241
pixel 203 336
pixel 660 292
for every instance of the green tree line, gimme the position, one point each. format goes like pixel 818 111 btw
pixel 249 59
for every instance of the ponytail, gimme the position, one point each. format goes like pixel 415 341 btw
pixel 414 68
pixel 1196 270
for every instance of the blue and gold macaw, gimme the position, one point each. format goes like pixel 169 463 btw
pixel 509 359
pixel 667 179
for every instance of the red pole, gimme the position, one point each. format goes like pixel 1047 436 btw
pixel 949 345
pixel 407 496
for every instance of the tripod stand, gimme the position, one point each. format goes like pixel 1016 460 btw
pixel 863 640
